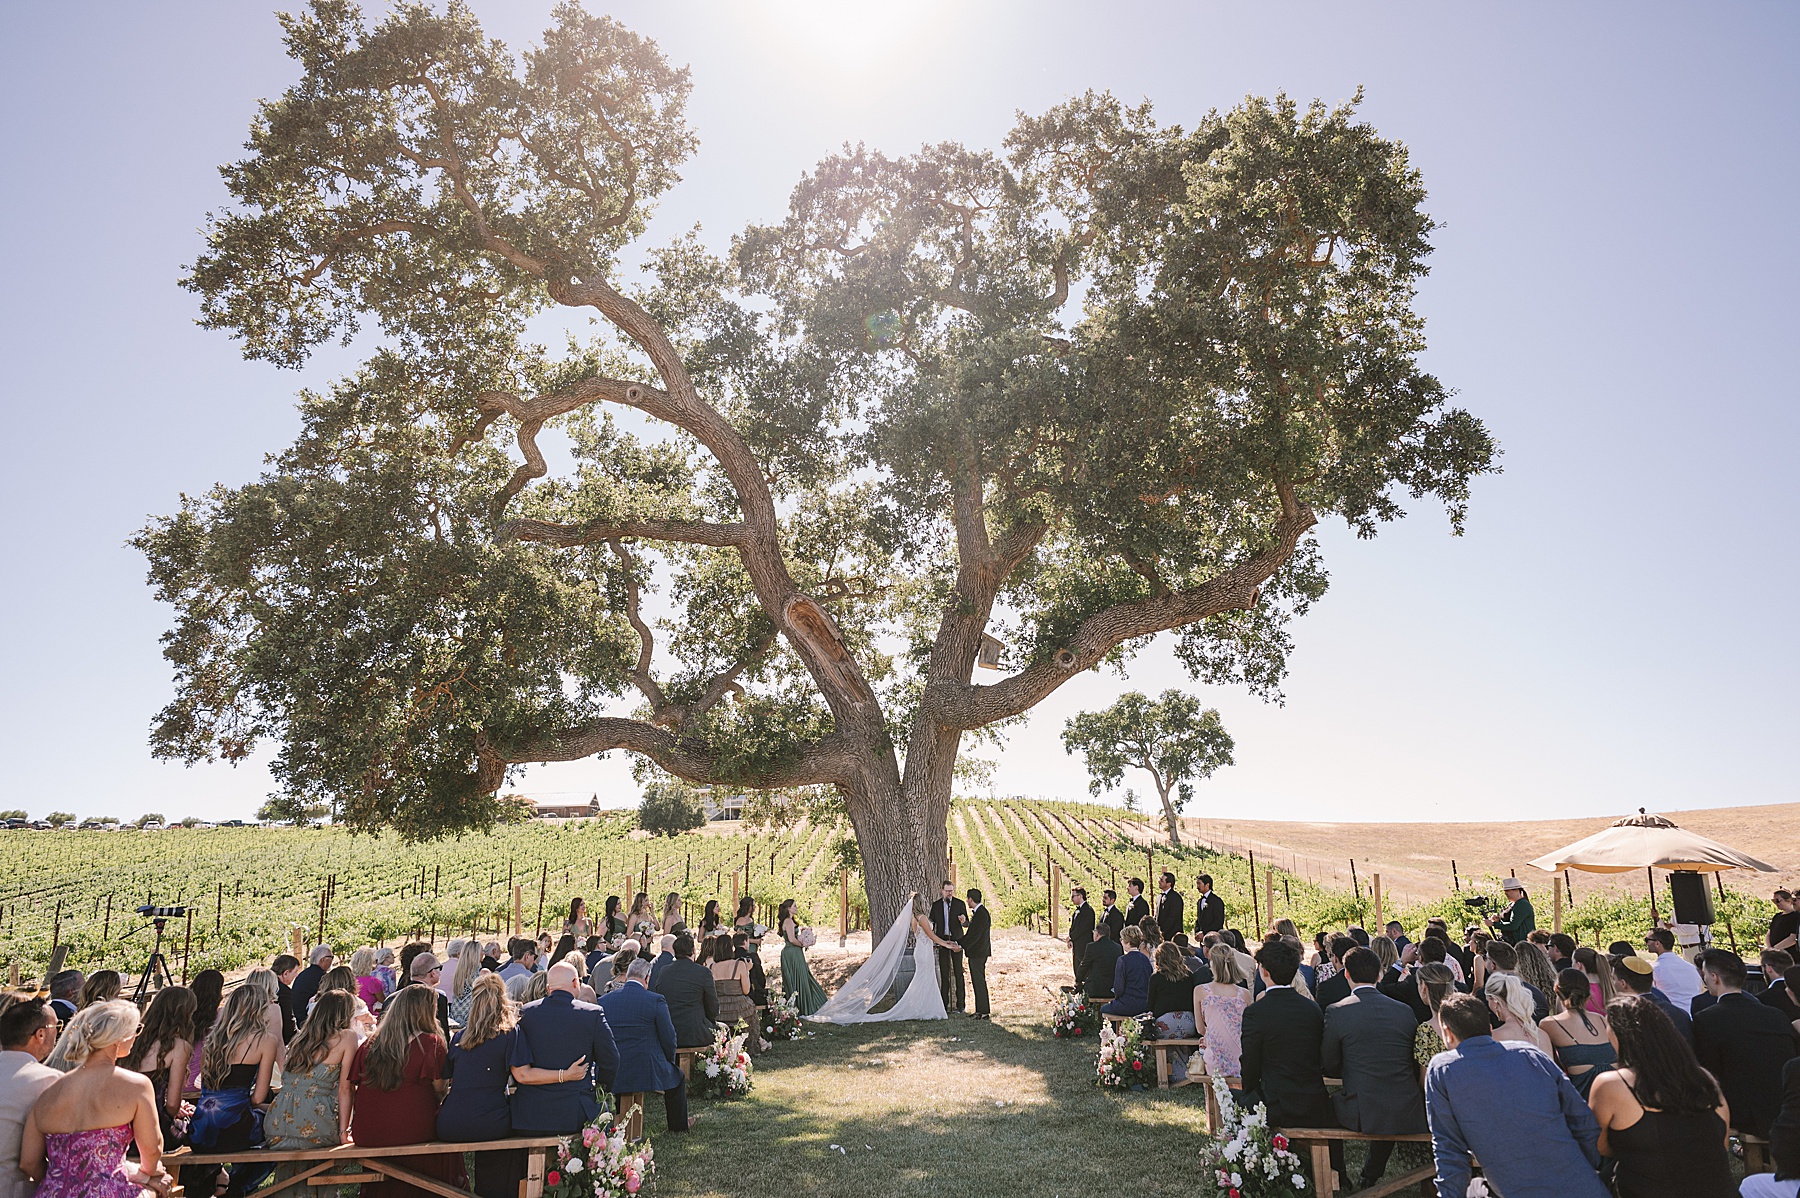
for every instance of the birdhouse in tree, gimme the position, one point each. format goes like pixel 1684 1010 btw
pixel 988 656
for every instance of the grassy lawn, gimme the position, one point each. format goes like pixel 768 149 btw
pixel 1002 1109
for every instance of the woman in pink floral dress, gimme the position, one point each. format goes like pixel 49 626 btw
pixel 77 1132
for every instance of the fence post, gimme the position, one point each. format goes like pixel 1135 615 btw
pixel 543 885
pixel 105 927
pixel 1375 889
pixel 646 886
pixel 734 891
pixel 1255 914
pixel 1556 904
pixel 518 910
pixel 1055 897
pixel 1269 892
pixel 1355 889
pixel 219 910
pixel 187 944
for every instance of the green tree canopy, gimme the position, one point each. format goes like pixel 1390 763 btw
pixel 1172 738
pixel 1095 385
pixel 670 807
pixel 291 809
pixel 57 819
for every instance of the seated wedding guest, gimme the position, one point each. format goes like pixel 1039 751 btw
pixel 691 993
pixel 313 1108
pixel 1499 957
pixel 1396 932
pixel 543 950
pixel 424 972
pixel 759 981
pixel 452 950
pixel 1172 1001
pixel 618 963
pixel 408 954
pixel 731 975
pixel 575 960
pixel 1508 1106
pixel 1661 1116
pixel 1282 1034
pixel 1435 983
pixel 1535 969
pixel 1675 977
pixel 462 983
pixel 387 969
pixel 27 1034
pixel 306 982
pixel 1389 958
pixel 339 980
pixel 1561 947
pixel 1579 1038
pixel 1742 1043
pixel 596 953
pixel 1404 983
pixel 209 995
pixel 1195 962
pixel 534 989
pixel 1099 963
pixel 1131 976
pixel 665 953
pixel 562 1050
pixel 65 993
pixel 478 1067
pixel 1784 1144
pixel 1219 1013
pixel 76 1133
pixel 286 968
pixel 1775 965
pixel 397 1077
pixel 1449 957
pixel 1336 988
pixel 369 987
pixel 521 963
pixel 644 1036
pixel 1323 966
pixel 1599 972
pixel 563 948
pixel 237 1068
pixel 490 956
pixel 1368 1042
pixel 164 1044
pixel 1632 974
pixel 1513 1016
pixel 103 985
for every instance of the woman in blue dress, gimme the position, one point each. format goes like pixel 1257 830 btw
pixel 476 1107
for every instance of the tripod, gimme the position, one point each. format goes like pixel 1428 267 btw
pixel 156 969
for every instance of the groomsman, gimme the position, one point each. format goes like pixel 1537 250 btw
pixel 1209 908
pixel 1081 927
pixel 949 919
pixel 977 947
pixel 1168 908
pixel 1110 915
pixel 1138 909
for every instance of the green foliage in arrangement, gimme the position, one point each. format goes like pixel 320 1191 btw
pixel 1172 738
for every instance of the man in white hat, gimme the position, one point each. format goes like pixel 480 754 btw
pixel 1516 920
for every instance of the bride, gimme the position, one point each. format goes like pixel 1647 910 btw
pixel 869 985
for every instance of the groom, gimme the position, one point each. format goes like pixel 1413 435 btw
pixel 949 917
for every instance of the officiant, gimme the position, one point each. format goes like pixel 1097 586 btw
pixel 949 920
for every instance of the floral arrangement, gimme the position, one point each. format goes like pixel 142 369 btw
pixel 724 1072
pixel 1076 1015
pixel 808 937
pixel 781 1018
pixel 1246 1158
pixel 600 1163
pixel 1124 1061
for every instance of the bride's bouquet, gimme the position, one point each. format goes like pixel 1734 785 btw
pixel 781 1018
pixel 1246 1158
pixel 1076 1015
pixel 1124 1061
pixel 724 1072
pixel 599 1163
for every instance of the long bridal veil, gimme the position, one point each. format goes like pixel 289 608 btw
pixel 869 985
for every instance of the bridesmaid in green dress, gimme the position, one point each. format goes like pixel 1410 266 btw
pixel 313 1108
pixel 796 979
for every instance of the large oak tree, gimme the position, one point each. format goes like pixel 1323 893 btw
pixel 1093 386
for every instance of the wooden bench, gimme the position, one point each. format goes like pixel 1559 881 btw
pixel 1317 1140
pixel 1756 1153
pixel 372 1164
pixel 684 1060
pixel 1161 1050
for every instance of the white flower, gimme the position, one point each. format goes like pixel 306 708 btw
pixel 712 1069
pixel 575 1165
pixel 1237 1179
pixel 1298 1181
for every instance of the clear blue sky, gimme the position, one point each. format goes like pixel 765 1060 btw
pixel 1613 290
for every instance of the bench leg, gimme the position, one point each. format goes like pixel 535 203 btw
pixel 1162 1067
pixel 1212 1112
pixel 1324 1180
pixel 533 1184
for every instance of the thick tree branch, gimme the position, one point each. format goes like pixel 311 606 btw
pixel 640 670
pixel 594 532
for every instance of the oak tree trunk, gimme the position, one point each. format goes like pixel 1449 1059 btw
pixel 1162 790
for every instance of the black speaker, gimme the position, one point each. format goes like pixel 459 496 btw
pixel 1693 901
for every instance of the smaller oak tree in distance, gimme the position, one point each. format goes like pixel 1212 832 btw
pixel 1173 739
pixel 670 807
pixel 57 819
pixel 291 809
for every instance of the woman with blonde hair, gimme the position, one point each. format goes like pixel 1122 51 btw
pixel 479 1065
pixel 642 919
pixel 1219 1012
pixel 313 1108
pixel 577 960
pixel 536 986
pixel 1512 1005
pixel 76 1133
pixel 103 985
pixel 1388 956
pixel 671 912
pixel 1535 966
pixel 398 1076
pixel 462 982
pixel 340 980
pixel 369 987
pixel 235 1071
pixel 265 984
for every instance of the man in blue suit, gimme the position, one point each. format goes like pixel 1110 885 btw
pixel 645 1034
pixel 570 1038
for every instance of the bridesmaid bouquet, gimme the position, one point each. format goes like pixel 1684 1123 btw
pixel 1124 1061
pixel 1246 1158
pixel 808 938
pixel 724 1072
pixel 599 1163
pixel 781 1018
pixel 1076 1015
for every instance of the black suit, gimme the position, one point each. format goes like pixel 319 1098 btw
pixel 1081 934
pixel 1335 988
pixel 1114 919
pixel 1137 911
pixel 1209 913
pixel 1097 967
pixel 300 994
pixel 1369 1043
pixel 1405 988
pixel 948 919
pixel 693 998
pixel 1745 1045
pixel 977 947
pixel 1169 913
pixel 1283 1031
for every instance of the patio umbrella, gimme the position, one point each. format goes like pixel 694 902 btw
pixel 1643 841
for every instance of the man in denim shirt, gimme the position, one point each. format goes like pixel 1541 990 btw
pixel 1508 1106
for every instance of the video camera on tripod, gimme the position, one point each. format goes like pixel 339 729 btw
pixel 156 970
pixel 149 912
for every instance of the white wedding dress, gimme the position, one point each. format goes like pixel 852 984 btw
pixel 870 985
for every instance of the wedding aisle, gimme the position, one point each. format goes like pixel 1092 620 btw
pixel 963 1108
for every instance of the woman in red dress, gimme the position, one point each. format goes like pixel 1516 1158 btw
pixel 398 1077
